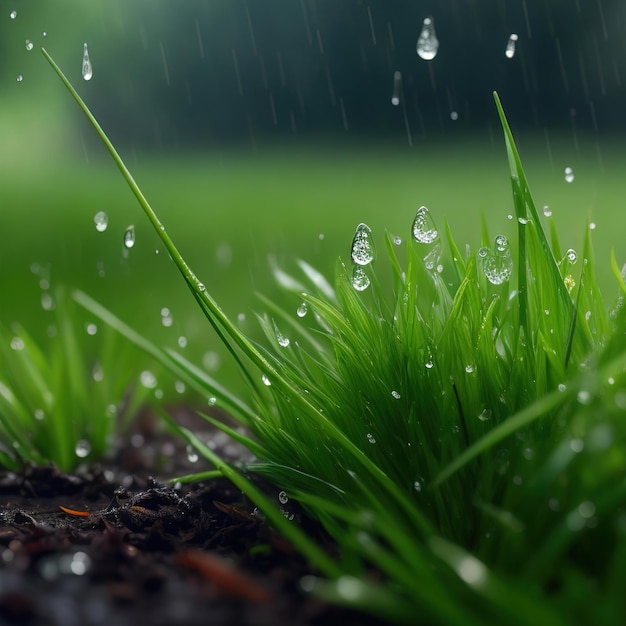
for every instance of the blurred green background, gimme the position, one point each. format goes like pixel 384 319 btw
pixel 266 129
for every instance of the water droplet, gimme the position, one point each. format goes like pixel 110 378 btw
pixel 397 82
pixel 180 386
pixel 454 116
pixel 371 438
pixel 562 387
pixel 192 455
pixel 283 341
pixel 360 279
pixel 29 45
pixel 396 395
pixel 13 15
pixel 427 42
pixel 523 221
pixel 423 228
pixel 363 251
pixel 546 211
pixel 569 175
pixel 212 401
pixel 429 365
pixel 39 414
pixel 101 220
pixel 510 46
pixel 166 319
pixel 97 373
pixel 91 329
pixel 569 282
pixel 19 78
pixel 583 396
pixel 182 341
pixel 129 237
pixel 17 344
pixel 241 317
pixel 498 265
pixel 592 226
pixel 283 498
pixel 87 71
pixel 82 449
pixel 302 310
pixel 148 379
pixel 266 380
pixel 577 445
pixel 397 240
pixel 211 361
pixel 485 415
pixel 469 369
pixel 417 484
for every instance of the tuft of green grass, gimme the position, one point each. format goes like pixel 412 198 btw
pixel 453 418
pixel 62 402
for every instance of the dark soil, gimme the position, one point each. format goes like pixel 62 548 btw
pixel 146 553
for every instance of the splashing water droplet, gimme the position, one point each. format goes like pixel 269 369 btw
pixel 569 175
pixel 82 449
pixel 29 45
pixel 427 42
pixel 129 237
pixel 101 220
pixel 360 279
pixel 397 82
pixel 87 71
pixel 362 245
pixel 423 228
pixel 498 266
pixel 283 498
pixel 13 15
pixel 302 310
pixel 510 46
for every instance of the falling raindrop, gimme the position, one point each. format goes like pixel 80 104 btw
pixel 29 45
pixel 82 449
pixel 363 251
pixel 360 279
pixel 427 42
pixel 192 455
pixel 424 230
pixel 569 175
pixel 302 310
pixel 101 220
pixel 91 329
pixel 397 82
pixel 13 15
pixel 510 46
pixel 87 70
pixel 19 78
pixel 498 266
pixel 129 237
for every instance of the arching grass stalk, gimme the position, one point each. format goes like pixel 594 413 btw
pixel 441 433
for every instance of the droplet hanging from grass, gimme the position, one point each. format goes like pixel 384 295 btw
pixel 510 46
pixel 363 251
pixel 360 279
pixel 424 229
pixel 302 310
pixel 427 42
pixel 87 70
pixel 498 265
pixel 82 449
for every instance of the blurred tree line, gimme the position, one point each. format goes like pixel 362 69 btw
pixel 201 72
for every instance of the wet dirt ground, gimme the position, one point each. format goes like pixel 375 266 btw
pixel 141 552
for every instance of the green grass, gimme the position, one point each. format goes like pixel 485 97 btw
pixel 458 424
pixel 65 399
